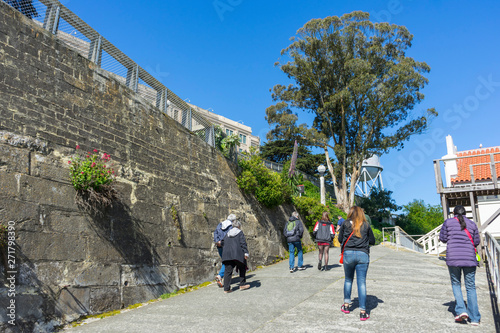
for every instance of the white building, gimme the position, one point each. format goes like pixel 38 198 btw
pixel 471 179
pixel 230 127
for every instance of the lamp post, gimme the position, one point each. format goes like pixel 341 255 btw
pixel 321 170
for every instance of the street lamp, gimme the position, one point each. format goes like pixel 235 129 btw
pixel 321 170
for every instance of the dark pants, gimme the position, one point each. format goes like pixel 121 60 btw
pixel 230 264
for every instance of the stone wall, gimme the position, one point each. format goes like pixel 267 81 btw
pixel 69 263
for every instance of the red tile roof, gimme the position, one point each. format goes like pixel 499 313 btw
pixel 481 172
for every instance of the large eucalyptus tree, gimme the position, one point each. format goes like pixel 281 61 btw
pixel 355 77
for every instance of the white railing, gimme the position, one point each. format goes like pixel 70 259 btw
pixel 492 250
pixel 400 238
pixel 431 243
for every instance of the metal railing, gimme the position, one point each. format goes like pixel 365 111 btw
pixel 492 250
pixel 53 16
pixel 431 243
pixel 400 238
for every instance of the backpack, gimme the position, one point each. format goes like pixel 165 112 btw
pixel 291 228
pixel 324 232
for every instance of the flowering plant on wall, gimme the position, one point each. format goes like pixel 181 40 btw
pixel 92 176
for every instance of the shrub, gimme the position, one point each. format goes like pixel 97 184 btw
pixel 378 235
pixel 267 186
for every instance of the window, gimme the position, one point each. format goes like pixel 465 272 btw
pixel 229 132
pixel 243 138
pixel 241 150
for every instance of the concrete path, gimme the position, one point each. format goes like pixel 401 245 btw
pixel 407 292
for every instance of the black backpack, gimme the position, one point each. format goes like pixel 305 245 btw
pixel 324 232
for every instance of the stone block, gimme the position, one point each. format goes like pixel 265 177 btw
pixel 14 159
pixel 10 184
pixel 50 167
pixel 25 214
pixel 140 294
pixel 193 275
pixel 104 251
pixel 47 192
pixel 104 299
pixel 68 222
pixel 51 246
pixel 73 303
pixel 140 275
pixel 147 212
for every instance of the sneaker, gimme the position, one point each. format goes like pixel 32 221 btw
pixel 344 308
pixel 363 316
pixel 302 268
pixel 474 324
pixel 461 317
pixel 245 286
pixel 319 265
pixel 218 279
pixel 291 270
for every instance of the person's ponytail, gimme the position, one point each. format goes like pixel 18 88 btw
pixel 459 212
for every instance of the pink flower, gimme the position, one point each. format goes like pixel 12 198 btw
pixel 95 150
pixel 82 172
pixel 69 162
pixel 92 165
pixel 77 146
pixel 104 166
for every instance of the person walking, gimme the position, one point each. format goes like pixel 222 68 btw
pixel 235 254
pixel 356 236
pixel 324 232
pixel 462 236
pixel 219 234
pixel 293 232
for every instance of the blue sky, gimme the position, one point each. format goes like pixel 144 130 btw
pixel 221 54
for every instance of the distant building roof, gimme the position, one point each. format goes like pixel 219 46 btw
pixel 481 172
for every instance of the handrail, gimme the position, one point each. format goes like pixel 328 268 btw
pixel 431 242
pixel 492 249
pixel 400 238
pixel 81 37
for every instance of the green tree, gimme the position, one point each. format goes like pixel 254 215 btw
pixel 355 77
pixel 419 218
pixel 379 205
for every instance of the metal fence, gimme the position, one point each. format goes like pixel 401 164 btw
pixel 53 16
pixel 400 238
pixel 492 250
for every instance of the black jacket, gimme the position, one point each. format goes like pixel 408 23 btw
pixel 235 246
pixel 356 243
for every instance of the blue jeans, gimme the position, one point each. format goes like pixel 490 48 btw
pixel 472 309
pixel 223 267
pixel 291 249
pixel 356 261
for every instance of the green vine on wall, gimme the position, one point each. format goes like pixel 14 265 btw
pixel 175 218
pixel 3 236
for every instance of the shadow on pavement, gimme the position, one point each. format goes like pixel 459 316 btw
pixel 371 303
pixel 493 299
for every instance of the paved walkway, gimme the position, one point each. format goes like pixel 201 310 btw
pixel 407 292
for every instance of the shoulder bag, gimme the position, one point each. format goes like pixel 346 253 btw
pixel 343 247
